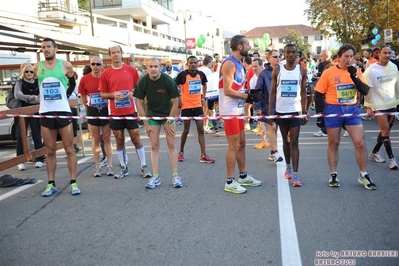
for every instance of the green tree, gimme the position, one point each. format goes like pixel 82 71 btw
pixel 84 4
pixel 296 38
pixel 352 21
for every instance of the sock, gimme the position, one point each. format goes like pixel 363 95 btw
pixel 243 174
pixel 121 156
pixel 363 173
pixel 141 154
pixel 175 174
pixel 155 175
pixel 273 152
pixel 72 181
pixel 334 173
pixel 230 180
pixel 388 147
pixel 288 166
pixel 52 182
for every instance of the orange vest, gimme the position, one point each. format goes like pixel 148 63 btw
pixel 191 92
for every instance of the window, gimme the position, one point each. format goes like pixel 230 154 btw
pixel 280 40
pixel 305 38
pixel 318 49
pixel 318 37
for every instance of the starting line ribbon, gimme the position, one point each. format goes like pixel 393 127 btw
pixel 194 117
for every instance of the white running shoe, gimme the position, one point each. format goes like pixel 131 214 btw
pixel 377 157
pixel 320 134
pixel 392 164
pixel 21 167
pixel 234 187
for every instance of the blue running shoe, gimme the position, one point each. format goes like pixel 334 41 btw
pixel 50 190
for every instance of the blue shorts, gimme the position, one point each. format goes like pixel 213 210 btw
pixel 334 122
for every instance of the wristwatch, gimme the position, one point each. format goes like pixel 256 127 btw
pixel 169 122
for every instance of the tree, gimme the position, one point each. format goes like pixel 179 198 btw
pixel 352 21
pixel 83 4
pixel 296 38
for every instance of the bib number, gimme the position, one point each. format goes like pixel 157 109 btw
pixel 96 101
pixel 289 88
pixel 194 86
pixel 123 103
pixel 52 91
pixel 346 93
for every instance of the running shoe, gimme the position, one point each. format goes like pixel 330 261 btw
pixel 320 134
pixel 333 182
pixel 50 190
pixel 21 167
pixel 207 130
pixel 217 134
pixel 260 132
pixel 38 164
pixel 346 134
pixel 97 171
pixel 296 182
pixel 367 182
pixel 261 145
pixel 75 190
pixel 180 157
pixel 275 157
pixel 145 172
pixel 176 181
pixel 123 171
pixel 249 181
pixel 288 173
pixel 392 164
pixel 110 170
pixel 247 127
pixel 153 182
pixel 377 157
pixel 256 129
pixel 206 159
pixel 104 162
pixel 234 187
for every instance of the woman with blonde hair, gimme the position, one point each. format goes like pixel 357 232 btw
pixel 27 91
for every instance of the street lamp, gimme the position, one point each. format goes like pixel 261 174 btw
pixel 185 14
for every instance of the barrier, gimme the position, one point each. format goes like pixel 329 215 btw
pixel 27 111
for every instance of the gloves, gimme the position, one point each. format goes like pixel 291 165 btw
pixel 363 88
pixel 254 96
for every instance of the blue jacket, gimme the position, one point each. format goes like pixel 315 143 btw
pixel 265 83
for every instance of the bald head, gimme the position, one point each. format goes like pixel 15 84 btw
pixel 325 55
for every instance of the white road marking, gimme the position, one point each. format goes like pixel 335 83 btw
pixel 17 190
pixel 290 253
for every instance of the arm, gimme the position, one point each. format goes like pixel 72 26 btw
pixel 362 87
pixel 141 109
pixel 68 70
pixel 272 95
pixel 175 107
pixel 303 90
pixel 18 92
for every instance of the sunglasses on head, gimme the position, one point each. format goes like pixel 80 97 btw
pixel 29 71
pixel 95 64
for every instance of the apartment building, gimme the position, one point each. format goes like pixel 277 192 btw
pixel 317 41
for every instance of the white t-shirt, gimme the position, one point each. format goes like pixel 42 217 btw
pixel 253 81
pixel 384 86
pixel 207 71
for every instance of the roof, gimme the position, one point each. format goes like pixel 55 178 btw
pixel 278 31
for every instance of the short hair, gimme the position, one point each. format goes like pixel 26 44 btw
pixel 155 59
pixel 258 60
pixel 109 48
pixel 216 54
pixel 27 66
pixel 292 45
pixel 344 48
pixel 248 60
pixel 256 53
pixel 50 40
pixel 369 50
pixel 207 59
pixel 236 41
pixel 271 52
pixel 192 57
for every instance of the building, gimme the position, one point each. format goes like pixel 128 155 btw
pixel 317 41
pixel 143 28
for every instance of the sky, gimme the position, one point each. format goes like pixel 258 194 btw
pixel 237 15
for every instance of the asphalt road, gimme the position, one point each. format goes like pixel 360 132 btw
pixel 119 222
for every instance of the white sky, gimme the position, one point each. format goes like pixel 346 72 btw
pixel 238 15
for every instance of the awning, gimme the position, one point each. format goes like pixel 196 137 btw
pixel 66 42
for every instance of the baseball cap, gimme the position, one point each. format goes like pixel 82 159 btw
pixel 168 60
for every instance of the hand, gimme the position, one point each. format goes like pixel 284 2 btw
pixel 254 96
pixel 320 122
pixel 352 70
pixel 304 121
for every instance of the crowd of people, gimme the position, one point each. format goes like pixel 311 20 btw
pixel 229 93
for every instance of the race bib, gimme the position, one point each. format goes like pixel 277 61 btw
pixel 241 102
pixel 346 93
pixel 96 100
pixel 289 88
pixel 194 86
pixel 123 103
pixel 51 91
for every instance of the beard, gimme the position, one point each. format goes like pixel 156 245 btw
pixel 244 54
pixel 50 57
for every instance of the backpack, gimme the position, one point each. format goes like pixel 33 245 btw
pixel 11 102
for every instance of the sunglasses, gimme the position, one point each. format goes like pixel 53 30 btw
pixel 96 64
pixel 276 56
pixel 29 71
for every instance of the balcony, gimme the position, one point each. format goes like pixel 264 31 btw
pixel 63 14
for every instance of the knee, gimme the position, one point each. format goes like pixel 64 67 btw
pixel 155 146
